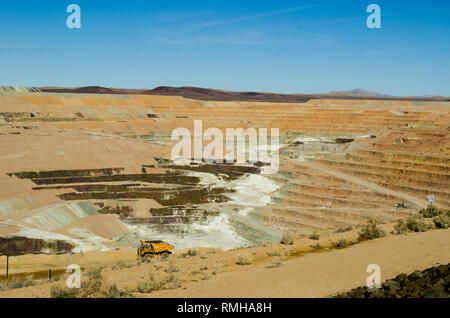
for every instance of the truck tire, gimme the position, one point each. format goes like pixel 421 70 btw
pixel 165 254
pixel 148 257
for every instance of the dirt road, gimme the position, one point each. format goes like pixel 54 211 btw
pixel 324 274
pixel 370 185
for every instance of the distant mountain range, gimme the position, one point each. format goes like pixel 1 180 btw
pixel 359 92
pixel 222 95
pixel 364 92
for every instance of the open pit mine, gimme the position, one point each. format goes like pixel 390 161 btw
pixel 92 171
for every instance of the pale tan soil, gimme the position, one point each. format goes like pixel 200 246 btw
pixel 7 229
pixel 302 272
pixel 105 226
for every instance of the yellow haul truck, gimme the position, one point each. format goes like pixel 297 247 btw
pixel 149 249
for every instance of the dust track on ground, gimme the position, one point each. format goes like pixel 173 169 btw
pixel 367 184
pixel 324 274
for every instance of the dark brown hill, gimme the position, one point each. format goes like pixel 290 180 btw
pixel 222 95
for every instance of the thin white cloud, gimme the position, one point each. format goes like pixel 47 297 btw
pixel 250 17
pixel 208 40
pixel 384 51
pixel 176 16
pixel 311 41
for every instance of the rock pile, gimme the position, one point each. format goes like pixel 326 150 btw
pixel 433 282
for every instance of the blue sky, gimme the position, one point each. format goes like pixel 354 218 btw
pixel 278 46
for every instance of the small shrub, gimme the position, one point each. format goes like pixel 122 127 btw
pixel 400 227
pixel 274 265
pixel 243 261
pixel 64 292
pixel 89 287
pixel 442 221
pixel 149 285
pixel 114 292
pixel 315 236
pixel 316 246
pixel 287 239
pixel 16 284
pixel 414 224
pixel 171 282
pixel 341 243
pixel 171 267
pixel 426 212
pixel 371 231
pixel 93 284
pixel 344 229
pixel 119 265
pixel 190 253
pixel 274 253
pixel 217 269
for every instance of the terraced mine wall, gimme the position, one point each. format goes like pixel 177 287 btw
pixel 342 161
pixel 185 200
pixel 16 245
pixel 19 89
pixel 433 282
pixel 190 192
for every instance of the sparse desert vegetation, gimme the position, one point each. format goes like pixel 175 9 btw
pixel 400 227
pixel 163 278
pixel 274 265
pixel 94 286
pixel 114 292
pixel 371 231
pixel 190 253
pixel 90 287
pixel 287 239
pixel 14 284
pixel 344 229
pixel 151 284
pixel 442 221
pixel 441 217
pixel 416 224
pixel 217 269
pixel 242 260
pixel 274 253
pixel 315 236
pixel 171 267
pixel 341 243
pixel 434 211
